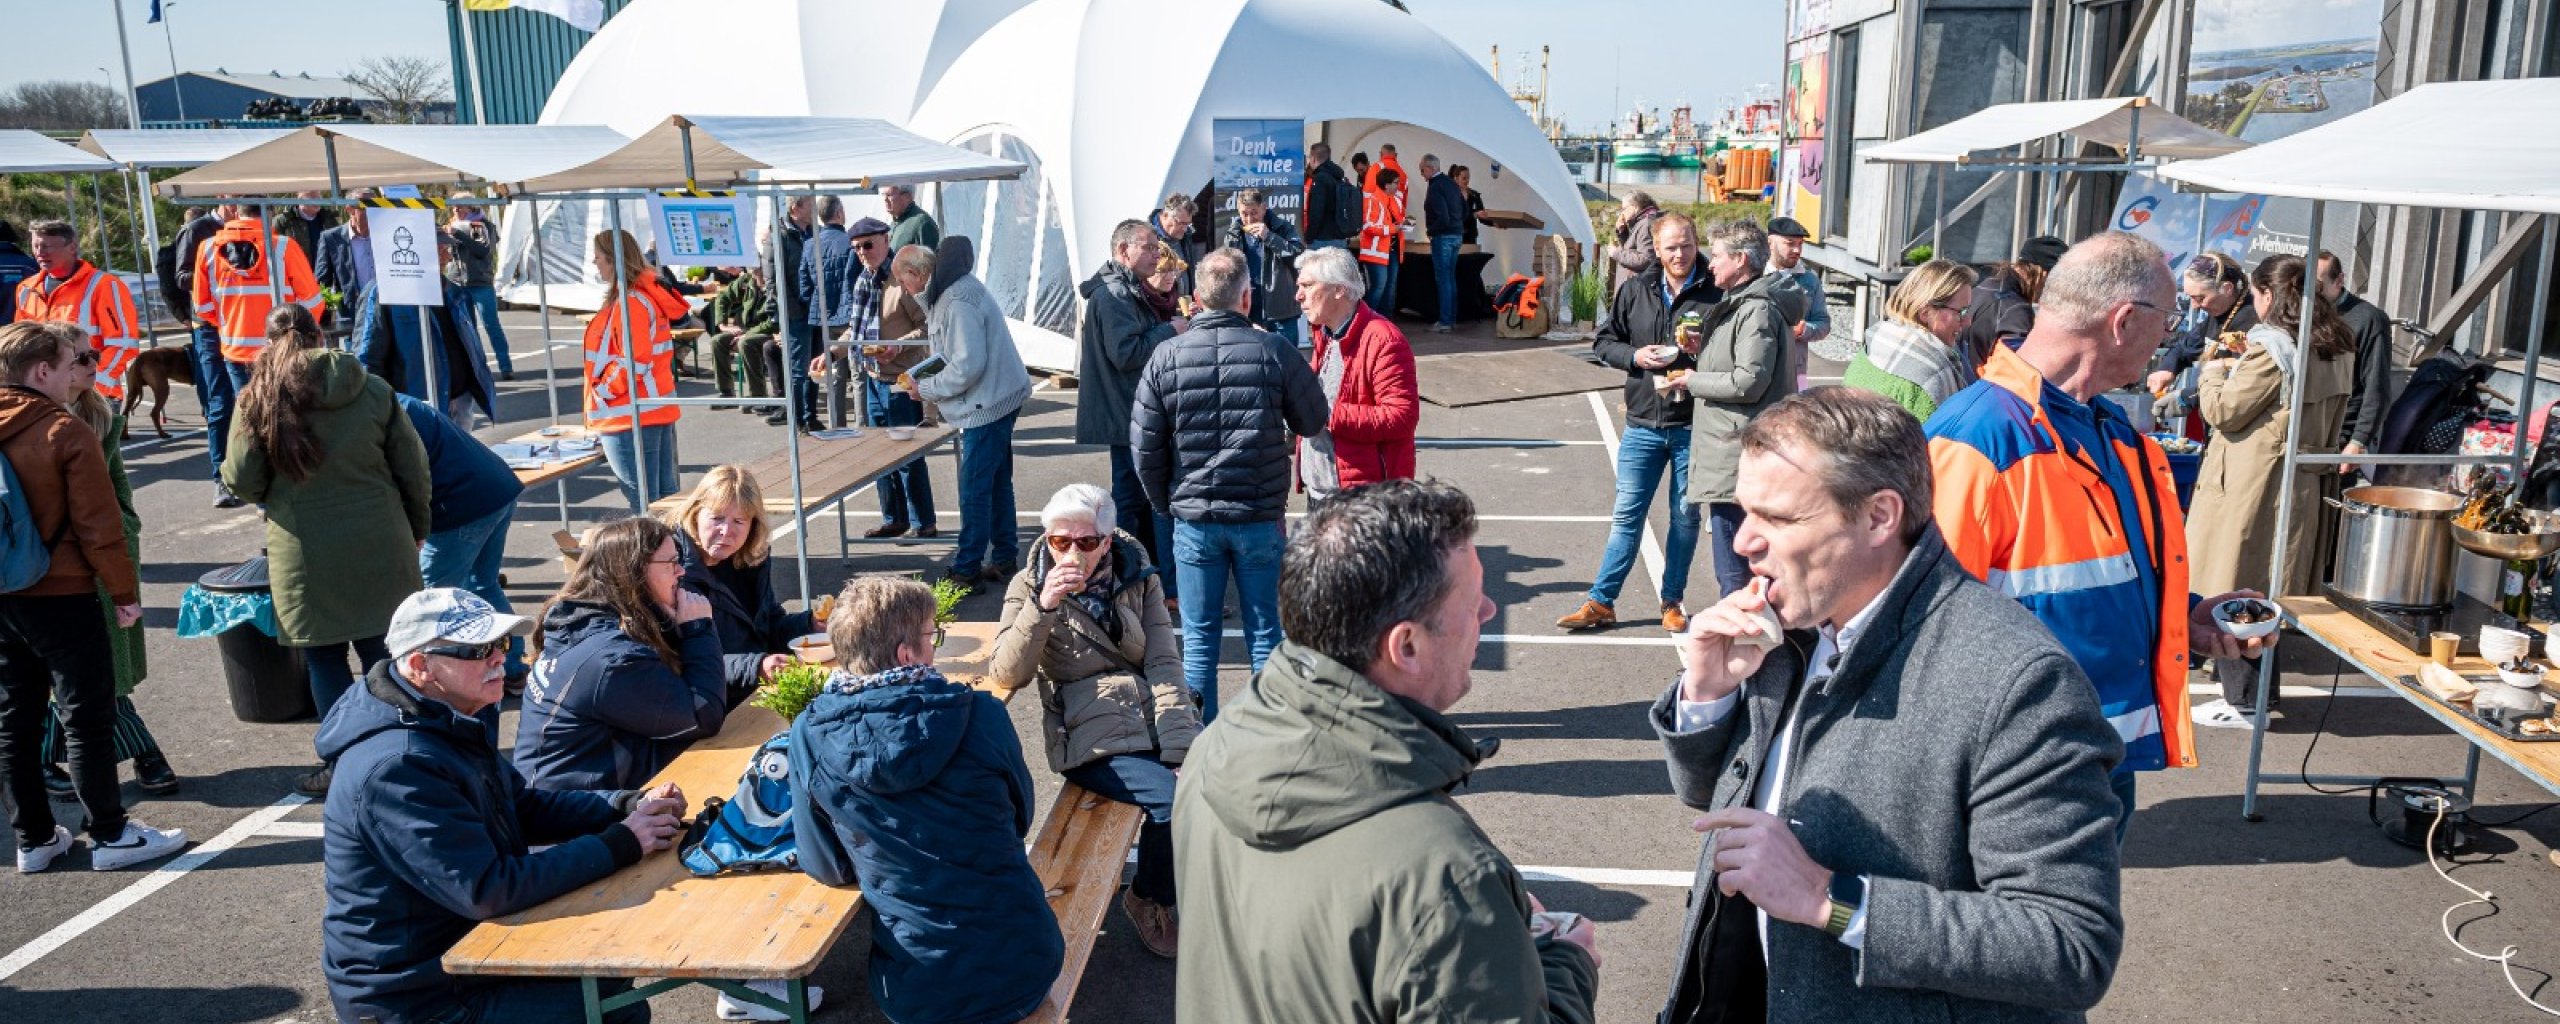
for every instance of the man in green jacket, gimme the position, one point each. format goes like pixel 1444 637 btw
pixel 1326 875
pixel 908 223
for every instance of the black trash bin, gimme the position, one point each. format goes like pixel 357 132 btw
pixel 267 680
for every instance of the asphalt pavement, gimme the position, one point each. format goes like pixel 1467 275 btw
pixel 2309 915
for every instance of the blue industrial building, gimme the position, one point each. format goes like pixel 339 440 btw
pixel 224 95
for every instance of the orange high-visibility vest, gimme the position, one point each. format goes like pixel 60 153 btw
pixel 1381 225
pixel 231 289
pixel 653 362
pixel 102 307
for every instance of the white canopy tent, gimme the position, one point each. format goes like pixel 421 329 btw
pixel 2447 145
pixel 1108 103
pixel 731 152
pixel 1981 137
pixel 137 149
pixel 321 157
pixel 27 152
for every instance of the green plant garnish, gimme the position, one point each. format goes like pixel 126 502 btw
pixel 947 596
pixel 791 689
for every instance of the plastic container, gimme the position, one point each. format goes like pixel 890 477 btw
pixel 266 679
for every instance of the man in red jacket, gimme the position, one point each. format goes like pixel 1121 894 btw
pixel 1367 371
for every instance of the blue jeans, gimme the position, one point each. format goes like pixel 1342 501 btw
pixel 480 304
pixel 799 345
pixel 213 392
pixel 469 556
pixel 1145 782
pixel 1444 272
pixel 1129 506
pixel 325 666
pixel 1205 555
pixel 1733 572
pixel 622 455
pixel 1382 286
pixel 906 493
pixel 1643 454
pixel 1328 243
pixel 987 532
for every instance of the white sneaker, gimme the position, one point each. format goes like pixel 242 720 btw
pixel 735 1009
pixel 31 861
pixel 138 844
pixel 2220 714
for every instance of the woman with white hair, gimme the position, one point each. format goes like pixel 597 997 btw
pixel 1087 620
pixel 1366 367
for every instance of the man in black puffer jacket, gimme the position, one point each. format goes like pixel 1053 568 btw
pixel 1215 410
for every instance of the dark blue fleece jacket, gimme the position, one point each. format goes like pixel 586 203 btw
pixel 604 711
pixel 426 834
pixel 914 787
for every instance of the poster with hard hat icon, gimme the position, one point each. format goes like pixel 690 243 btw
pixel 406 268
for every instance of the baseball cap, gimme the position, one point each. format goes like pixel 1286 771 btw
pixel 445 613
pixel 2043 251
pixel 1786 227
pixel 868 226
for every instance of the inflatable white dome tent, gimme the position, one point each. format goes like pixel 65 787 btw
pixel 1111 102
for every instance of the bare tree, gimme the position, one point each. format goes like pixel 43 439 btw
pixel 62 106
pixel 407 89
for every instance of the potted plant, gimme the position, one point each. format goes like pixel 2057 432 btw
pixel 791 690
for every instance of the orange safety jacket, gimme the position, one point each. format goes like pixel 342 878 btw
pixel 102 307
pixel 1381 226
pixel 653 361
pixel 232 287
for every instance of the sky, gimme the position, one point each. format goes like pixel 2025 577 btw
pixel 1606 57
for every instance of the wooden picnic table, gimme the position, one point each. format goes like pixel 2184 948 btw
pixel 830 472
pixel 2395 666
pixel 656 920
pixel 550 471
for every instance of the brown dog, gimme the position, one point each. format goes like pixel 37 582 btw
pixel 155 368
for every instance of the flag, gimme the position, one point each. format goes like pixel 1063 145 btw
pixel 155 13
pixel 585 15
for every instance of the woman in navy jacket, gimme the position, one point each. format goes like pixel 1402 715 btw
pixel 726 548
pixel 627 667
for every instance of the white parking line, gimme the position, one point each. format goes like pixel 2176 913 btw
pixel 2306 692
pixel 1609 437
pixel 126 897
pixel 294 830
pixel 1553 639
pixel 1609 876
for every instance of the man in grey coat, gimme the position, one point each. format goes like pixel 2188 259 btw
pixel 1745 364
pixel 1905 776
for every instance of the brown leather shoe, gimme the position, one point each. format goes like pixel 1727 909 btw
pixel 1592 616
pixel 1158 929
pixel 1674 618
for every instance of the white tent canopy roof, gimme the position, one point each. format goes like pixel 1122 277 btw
pixel 734 151
pixel 179 147
pixel 23 151
pixel 2450 145
pixel 2107 122
pixel 372 155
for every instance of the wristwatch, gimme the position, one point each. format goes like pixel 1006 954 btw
pixel 1848 893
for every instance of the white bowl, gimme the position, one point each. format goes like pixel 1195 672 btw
pixel 2499 646
pixel 901 433
pixel 2246 630
pixel 814 649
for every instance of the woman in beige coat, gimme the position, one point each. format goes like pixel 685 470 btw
pixel 1087 619
pixel 2231 528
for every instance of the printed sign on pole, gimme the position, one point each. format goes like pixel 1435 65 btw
pixel 704 231
pixel 406 271
pixel 2171 219
pixel 1268 154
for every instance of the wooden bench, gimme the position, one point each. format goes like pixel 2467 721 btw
pixel 830 472
pixel 656 920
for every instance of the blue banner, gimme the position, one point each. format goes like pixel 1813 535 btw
pixel 1268 154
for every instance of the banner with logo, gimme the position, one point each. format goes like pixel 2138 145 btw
pixel 2171 219
pixel 1265 153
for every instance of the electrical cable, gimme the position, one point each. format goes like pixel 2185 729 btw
pixel 2505 957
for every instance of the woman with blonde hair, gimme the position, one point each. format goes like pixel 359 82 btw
pixel 322 444
pixel 726 548
pixel 626 670
pixel 1911 355
pixel 632 323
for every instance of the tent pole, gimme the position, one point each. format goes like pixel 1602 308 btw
pixel 621 295
pixel 2533 340
pixel 550 363
pixel 2204 211
pixel 140 207
pixel 783 325
pixel 2284 496
pixel 71 207
pixel 150 213
pixel 1938 227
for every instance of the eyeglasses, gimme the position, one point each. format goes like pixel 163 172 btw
pixel 1060 543
pixel 86 357
pixel 1961 312
pixel 939 635
pixel 466 652
pixel 2169 318
pixel 867 244
pixel 678 562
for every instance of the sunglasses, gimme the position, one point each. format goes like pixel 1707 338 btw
pixel 87 357
pixel 867 244
pixel 466 652
pixel 1060 544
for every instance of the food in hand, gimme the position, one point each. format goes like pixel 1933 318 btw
pixel 2175 445
pixel 2247 612
pixel 1773 630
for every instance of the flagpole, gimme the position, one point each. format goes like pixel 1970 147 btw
pixel 124 50
pixel 471 56
pixel 169 35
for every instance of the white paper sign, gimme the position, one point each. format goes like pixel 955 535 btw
pixel 406 271
pixel 704 232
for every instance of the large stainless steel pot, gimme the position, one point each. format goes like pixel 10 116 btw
pixel 2395 547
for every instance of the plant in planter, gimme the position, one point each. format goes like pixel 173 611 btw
pixel 947 596
pixel 1585 292
pixel 791 689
